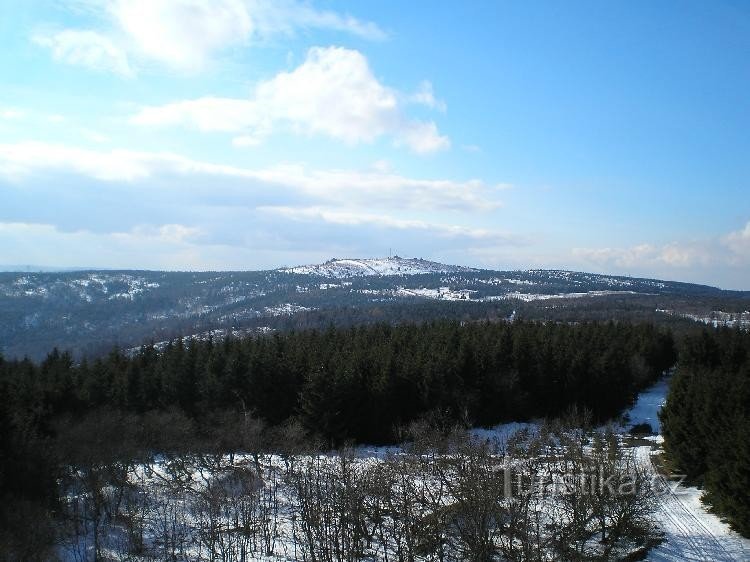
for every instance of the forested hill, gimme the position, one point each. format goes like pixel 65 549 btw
pixel 89 312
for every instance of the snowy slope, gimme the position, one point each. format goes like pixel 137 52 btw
pixel 342 268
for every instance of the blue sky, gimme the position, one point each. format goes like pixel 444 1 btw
pixel 247 134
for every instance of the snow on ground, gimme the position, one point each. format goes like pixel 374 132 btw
pixel 504 281
pixel 501 433
pixel 447 293
pixel 216 335
pixel 691 532
pixel 528 297
pixel 646 408
pixel 444 293
pixel 342 268
pixel 716 318
pixel 286 309
pixel 519 281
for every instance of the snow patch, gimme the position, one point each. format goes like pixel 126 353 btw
pixel 343 268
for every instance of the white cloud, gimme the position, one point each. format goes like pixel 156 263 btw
pixel 358 218
pixel 372 188
pixel 209 114
pixel 675 254
pixel 245 141
pixel 376 188
pixel 12 114
pixel 426 96
pixel 333 92
pixel 286 16
pixel 188 34
pixel 183 214
pixel 169 245
pixel 738 243
pixel 731 249
pixel 144 247
pixel 383 166
pixel 26 158
pixel 86 48
pixel 422 137
pixel 94 136
pixel 183 33
pixel 172 233
pixel 704 260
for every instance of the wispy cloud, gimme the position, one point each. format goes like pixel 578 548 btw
pixel 25 161
pixel 644 255
pixel 425 95
pixel 11 114
pixel 358 218
pixel 375 188
pixel 738 242
pixel 333 92
pixel 170 246
pixel 187 34
pixel 86 48
pixel 201 210
pixel 288 16
pixel 731 249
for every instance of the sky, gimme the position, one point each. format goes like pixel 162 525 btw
pixel 608 137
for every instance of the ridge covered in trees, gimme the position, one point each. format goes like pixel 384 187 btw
pixel 706 420
pixel 90 312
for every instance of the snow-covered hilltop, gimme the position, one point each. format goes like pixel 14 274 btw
pixel 342 268
pixel 88 311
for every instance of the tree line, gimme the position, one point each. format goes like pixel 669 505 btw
pixel 362 383
pixel 334 386
pixel 706 420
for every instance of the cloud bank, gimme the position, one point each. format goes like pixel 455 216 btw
pixel 186 35
pixel 59 197
pixel 333 93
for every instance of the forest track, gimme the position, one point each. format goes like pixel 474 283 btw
pixel 688 538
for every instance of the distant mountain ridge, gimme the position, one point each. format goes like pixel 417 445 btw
pixel 350 267
pixel 92 311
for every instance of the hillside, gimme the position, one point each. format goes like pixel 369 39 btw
pixel 345 268
pixel 91 311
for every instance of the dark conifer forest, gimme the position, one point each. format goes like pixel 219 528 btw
pixel 358 384
pixel 706 421
pixel 341 385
